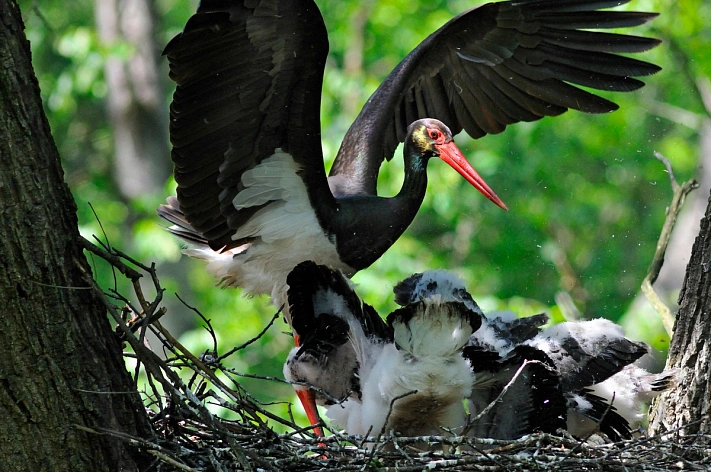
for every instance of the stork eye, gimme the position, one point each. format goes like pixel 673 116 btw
pixel 435 134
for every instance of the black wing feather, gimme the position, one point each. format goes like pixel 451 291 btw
pixel 307 280
pixel 532 52
pixel 248 77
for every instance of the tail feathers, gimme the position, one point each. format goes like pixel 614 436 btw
pixel 641 386
pixel 650 385
pixel 181 228
pixel 662 381
pixel 601 412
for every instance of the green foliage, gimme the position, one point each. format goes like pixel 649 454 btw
pixel 586 197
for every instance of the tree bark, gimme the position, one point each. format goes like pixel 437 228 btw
pixel 60 365
pixel 687 406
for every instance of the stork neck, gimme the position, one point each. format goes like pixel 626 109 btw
pixel 368 225
pixel 414 185
pixel 405 205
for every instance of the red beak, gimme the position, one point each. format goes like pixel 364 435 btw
pixel 308 400
pixel 450 153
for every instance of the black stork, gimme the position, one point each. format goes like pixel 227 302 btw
pixel 598 367
pixel 579 375
pixel 406 376
pixel 253 198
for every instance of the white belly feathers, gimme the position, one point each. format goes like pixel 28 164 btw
pixel 286 232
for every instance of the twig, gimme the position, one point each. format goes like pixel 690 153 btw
pixel 209 328
pixel 391 408
pixel 316 389
pixel 112 259
pixel 170 461
pixel 680 193
pixel 169 380
pixel 254 339
pixel 188 436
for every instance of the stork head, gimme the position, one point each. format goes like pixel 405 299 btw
pixel 428 138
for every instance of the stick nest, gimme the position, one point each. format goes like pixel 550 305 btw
pixel 189 437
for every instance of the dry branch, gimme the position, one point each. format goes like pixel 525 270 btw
pixel 680 193
pixel 188 437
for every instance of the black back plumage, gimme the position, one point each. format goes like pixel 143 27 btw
pixel 534 401
pixel 249 77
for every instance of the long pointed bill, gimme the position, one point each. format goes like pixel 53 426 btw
pixel 450 153
pixel 308 401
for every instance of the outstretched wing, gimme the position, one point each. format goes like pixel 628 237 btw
pixel 499 64
pixel 248 77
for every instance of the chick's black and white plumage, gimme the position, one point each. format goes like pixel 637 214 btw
pixel 629 391
pixel 338 336
pixel 604 388
pixel 406 376
pixel 577 375
pixel 587 352
pixel 418 382
pixel 499 331
pixel 411 374
pixel 494 355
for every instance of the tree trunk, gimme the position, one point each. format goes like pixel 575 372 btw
pixel 690 401
pixel 60 365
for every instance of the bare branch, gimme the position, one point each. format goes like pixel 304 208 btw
pixel 680 193
pixel 189 436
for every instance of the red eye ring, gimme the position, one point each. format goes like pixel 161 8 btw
pixel 434 134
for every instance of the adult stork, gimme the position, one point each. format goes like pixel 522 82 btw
pixel 253 198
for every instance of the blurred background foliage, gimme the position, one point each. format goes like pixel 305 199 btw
pixel 586 197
